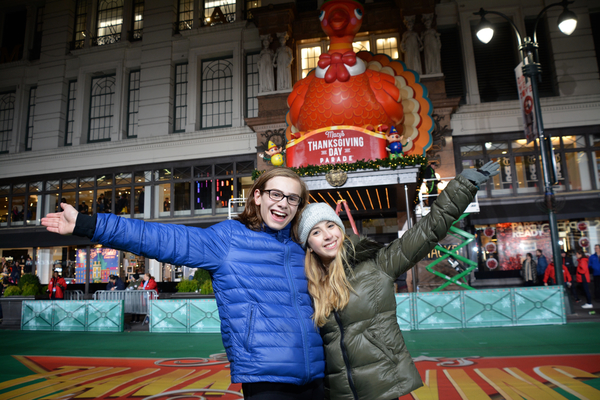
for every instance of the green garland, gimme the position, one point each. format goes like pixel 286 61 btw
pixel 312 170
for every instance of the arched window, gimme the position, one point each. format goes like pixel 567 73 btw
pixel 217 93
pixel 101 108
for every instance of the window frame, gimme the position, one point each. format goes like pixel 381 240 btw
pixel 70 116
pixel 560 152
pixel 112 108
pixel 227 102
pixel 252 90
pixel 30 118
pixel 176 94
pixel 135 103
pixel 10 120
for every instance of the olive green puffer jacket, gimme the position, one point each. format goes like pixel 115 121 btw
pixel 365 352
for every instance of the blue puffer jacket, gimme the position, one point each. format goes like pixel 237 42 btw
pixel 260 289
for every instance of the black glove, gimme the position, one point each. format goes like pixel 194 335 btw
pixel 481 175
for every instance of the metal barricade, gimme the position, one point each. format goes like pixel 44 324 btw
pixel 135 301
pixel 73 295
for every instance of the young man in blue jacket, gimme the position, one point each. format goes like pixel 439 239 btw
pixel 257 271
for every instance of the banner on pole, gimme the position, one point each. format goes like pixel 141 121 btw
pixel 527 106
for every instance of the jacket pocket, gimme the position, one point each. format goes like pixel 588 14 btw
pixel 250 325
pixel 381 346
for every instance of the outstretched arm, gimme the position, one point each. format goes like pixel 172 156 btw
pixel 62 222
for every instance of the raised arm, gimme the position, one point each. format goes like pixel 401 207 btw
pixel 403 253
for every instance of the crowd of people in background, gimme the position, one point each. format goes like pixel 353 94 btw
pixel 576 273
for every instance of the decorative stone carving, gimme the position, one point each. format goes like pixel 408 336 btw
pixel 432 46
pixel 283 62
pixel 265 65
pixel 411 46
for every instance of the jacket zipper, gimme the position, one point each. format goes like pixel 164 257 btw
pixel 345 356
pixel 300 320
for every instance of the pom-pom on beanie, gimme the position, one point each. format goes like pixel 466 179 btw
pixel 312 215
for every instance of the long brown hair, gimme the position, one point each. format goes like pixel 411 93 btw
pixel 251 215
pixel 328 285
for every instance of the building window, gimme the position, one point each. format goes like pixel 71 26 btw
pixel 219 11
pixel 252 85
pixel 70 113
pixel 495 74
pixel 101 108
pixel 167 191
pixel 388 46
pixel 110 22
pixel 133 104
pixel 309 53
pixel 30 119
pixel 217 93
pixel 310 58
pixel 138 20
pixel 249 6
pixel 181 79
pixel 7 114
pixel 185 15
pixel 13 34
pixel 521 171
pixel 452 63
pixel 80 25
pixel 595 25
pixel 37 37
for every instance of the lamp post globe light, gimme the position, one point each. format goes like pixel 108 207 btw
pixel 528 51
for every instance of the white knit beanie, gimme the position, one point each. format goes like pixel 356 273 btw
pixel 312 215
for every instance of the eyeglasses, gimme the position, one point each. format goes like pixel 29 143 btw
pixel 276 195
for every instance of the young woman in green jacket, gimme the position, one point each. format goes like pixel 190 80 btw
pixel 351 281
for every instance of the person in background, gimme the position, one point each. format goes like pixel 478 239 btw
pixel 15 274
pixel 542 264
pixel 273 348
pixel 550 275
pixel 115 283
pixel 351 281
pixel 83 208
pixel 4 269
pixel 594 266
pixel 432 185
pixel 28 267
pixel 148 283
pixel 529 270
pixel 568 263
pixel 57 286
pixel 583 277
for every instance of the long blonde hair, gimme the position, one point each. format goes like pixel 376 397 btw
pixel 328 285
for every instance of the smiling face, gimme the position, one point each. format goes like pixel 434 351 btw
pixel 277 214
pixel 325 239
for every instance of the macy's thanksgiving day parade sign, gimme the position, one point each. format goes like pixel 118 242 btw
pixel 355 106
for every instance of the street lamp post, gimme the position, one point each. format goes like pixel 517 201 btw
pixel 528 51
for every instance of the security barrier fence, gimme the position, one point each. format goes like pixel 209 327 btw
pixel 414 311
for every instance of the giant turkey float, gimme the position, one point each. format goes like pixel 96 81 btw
pixel 355 106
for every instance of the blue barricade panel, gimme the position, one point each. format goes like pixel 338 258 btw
pixel 73 315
